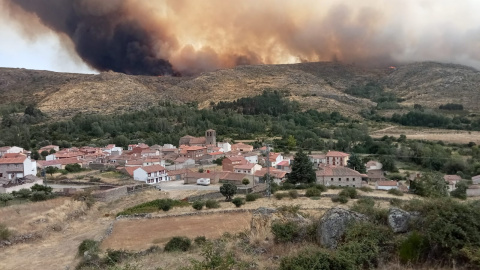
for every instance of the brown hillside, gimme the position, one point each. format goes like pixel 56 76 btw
pixel 315 85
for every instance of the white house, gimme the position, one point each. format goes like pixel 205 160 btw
pixel 452 181
pixel 226 147
pixel 112 149
pixel 318 159
pixel 151 174
pixel 17 167
pixel 251 158
pixel 248 168
pixel 275 158
pixel 386 185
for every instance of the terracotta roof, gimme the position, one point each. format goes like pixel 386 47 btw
pixel 475 177
pixel 5 148
pixel 16 160
pixel 199 140
pixel 275 173
pixel 337 171
pixel 191 174
pixel 317 156
pixel 130 170
pixel 247 166
pixel 284 163
pixel 217 153
pixel 387 183
pixel 63 161
pixel 134 163
pixel 336 154
pixel 452 178
pixel 13 155
pixel 236 159
pixel 234 176
pixel 153 168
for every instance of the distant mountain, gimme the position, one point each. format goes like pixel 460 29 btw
pixel 315 85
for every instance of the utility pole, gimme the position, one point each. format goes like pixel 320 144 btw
pixel 269 185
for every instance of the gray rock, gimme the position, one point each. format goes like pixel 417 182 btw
pixel 333 224
pixel 399 220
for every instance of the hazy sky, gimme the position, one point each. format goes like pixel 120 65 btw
pixel 201 33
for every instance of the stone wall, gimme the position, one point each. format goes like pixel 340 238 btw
pixel 111 194
pixel 17 188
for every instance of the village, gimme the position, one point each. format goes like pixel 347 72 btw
pixel 197 161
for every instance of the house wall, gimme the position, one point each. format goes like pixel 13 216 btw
pixel 6 170
pixel 385 187
pixel 353 181
pixel 252 159
pixel 337 161
pixel 473 192
pixel 476 180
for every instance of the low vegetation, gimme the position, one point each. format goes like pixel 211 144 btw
pixel 238 201
pixel 212 204
pixel 395 192
pixel 178 244
pixel 252 197
pixel 153 206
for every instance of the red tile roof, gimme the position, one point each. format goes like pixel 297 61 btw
pixel 64 161
pixel 130 170
pixel 153 168
pixel 17 160
pixel 275 173
pixel 336 171
pixel 247 166
pixel 336 154
pixel 387 183
pixel 284 163
pixel 452 178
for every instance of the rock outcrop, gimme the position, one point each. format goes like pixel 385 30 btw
pixel 399 220
pixel 262 220
pixel 333 224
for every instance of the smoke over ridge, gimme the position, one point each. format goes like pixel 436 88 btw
pixel 158 37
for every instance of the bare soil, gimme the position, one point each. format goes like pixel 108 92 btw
pixel 140 234
pixel 430 134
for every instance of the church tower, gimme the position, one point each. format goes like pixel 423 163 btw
pixel 211 137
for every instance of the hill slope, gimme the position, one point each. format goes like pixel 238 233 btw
pixel 315 85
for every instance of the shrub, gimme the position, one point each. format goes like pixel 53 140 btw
pixel 366 189
pixel 367 207
pixel 285 231
pixel 210 204
pixel 293 194
pixel 39 196
pixel 395 192
pixel 340 199
pixel 322 188
pixel 287 186
pixel 315 259
pixel 165 205
pixel 88 245
pixel 349 192
pixel 313 192
pixel 198 205
pixel 280 195
pixel 413 248
pixel 23 193
pixel 178 243
pixel 238 202
pixel 252 197
pixel 396 202
pixel 200 240
pixel 5 233
pixel 292 209
pixel 366 244
pixel 116 256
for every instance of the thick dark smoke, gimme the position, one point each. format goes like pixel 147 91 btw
pixel 104 36
pixel 157 37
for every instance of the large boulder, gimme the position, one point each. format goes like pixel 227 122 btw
pixel 399 220
pixel 333 224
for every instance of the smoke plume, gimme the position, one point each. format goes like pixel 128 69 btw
pixel 158 37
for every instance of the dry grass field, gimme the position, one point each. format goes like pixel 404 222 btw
pixel 430 134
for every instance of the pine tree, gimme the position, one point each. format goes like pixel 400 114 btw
pixel 302 169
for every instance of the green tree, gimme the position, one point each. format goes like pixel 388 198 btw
pixel 461 190
pixel 388 164
pixel 228 190
pixel 35 155
pixel 291 142
pixel 51 170
pixel 5 197
pixel 356 163
pixel 429 185
pixel 46 189
pixel 23 193
pixel 245 182
pixel 302 169
pixel 44 153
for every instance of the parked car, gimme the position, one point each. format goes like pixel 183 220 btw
pixel 203 181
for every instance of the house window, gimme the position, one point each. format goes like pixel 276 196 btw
pixel 1 174
pixel 353 179
pixel 339 179
pixel 149 174
pixel 348 179
pixel 332 179
pixel 353 186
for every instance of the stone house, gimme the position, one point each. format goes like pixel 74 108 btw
pixel 336 158
pixel 241 147
pixel 248 168
pixel 277 175
pixel 229 163
pixel 339 176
